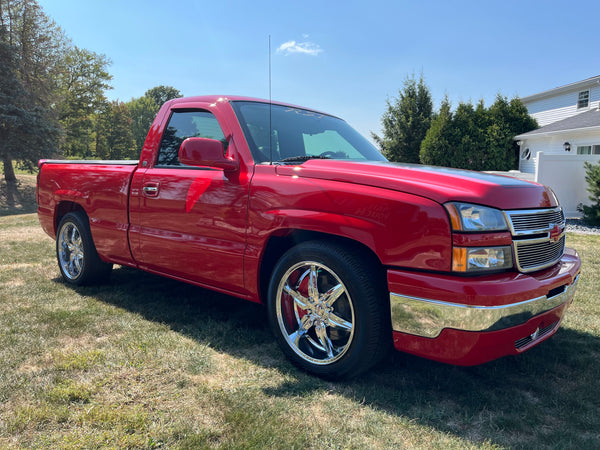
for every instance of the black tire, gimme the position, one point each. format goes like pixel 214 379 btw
pixel 328 309
pixel 76 253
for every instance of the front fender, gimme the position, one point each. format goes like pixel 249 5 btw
pixel 403 230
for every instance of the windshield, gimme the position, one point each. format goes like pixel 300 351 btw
pixel 299 134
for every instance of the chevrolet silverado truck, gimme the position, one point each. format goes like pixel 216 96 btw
pixel 350 253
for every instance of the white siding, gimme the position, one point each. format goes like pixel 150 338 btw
pixel 549 145
pixel 527 166
pixel 595 97
pixel 552 109
pixel 554 145
pixel 565 174
pixel 563 171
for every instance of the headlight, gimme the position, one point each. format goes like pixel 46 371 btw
pixel 469 217
pixel 474 259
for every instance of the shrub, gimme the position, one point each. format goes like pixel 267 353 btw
pixel 591 213
pixel 476 138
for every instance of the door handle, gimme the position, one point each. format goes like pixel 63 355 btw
pixel 151 190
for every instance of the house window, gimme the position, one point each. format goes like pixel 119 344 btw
pixel 584 99
pixel 588 150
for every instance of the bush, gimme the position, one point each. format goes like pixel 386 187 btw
pixel 476 138
pixel 405 122
pixel 591 213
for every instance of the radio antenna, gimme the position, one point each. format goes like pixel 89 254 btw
pixel 270 108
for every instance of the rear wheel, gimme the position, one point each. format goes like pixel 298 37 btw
pixel 76 253
pixel 326 307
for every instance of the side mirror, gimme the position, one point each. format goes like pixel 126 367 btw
pixel 198 151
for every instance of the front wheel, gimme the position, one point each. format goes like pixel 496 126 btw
pixel 327 309
pixel 76 253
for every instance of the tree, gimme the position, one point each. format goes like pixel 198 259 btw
pixel 438 146
pixel 32 47
pixel 40 46
pixel 162 94
pixel 114 138
pixel 405 122
pixel 11 94
pixel 477 138
pixel 591 213
pixel 144 109
pixel 513 119
pixel 82 82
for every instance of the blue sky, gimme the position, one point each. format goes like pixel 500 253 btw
pixel 345 58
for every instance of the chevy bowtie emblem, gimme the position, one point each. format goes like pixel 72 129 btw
pixel 555 233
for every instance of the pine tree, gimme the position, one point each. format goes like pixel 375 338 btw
pixel 591 213
pixel 438 146
pixel 477 138
pixel 31 47
pixel 405 122
pixel 26 132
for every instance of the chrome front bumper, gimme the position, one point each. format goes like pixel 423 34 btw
pixel 427 317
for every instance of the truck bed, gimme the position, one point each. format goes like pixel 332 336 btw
pixel 102 162
pixel 101 188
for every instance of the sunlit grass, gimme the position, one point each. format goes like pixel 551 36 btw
pixel 145 362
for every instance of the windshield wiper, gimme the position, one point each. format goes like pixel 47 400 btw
pixel 302 158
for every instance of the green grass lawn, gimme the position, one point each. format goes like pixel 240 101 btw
pixel 148 362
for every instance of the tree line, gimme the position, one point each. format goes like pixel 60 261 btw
pixel 53 96
pixel 470 137
pixel 53 102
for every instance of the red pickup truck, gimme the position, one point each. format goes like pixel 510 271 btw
pixel 292 208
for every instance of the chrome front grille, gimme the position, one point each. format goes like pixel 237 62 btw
pixel 535 220
pixel 536 255
pixel 538 237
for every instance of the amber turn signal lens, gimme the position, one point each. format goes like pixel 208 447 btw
pixel 459 259
pixel 454 216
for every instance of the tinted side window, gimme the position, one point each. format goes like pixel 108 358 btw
pixel 182 125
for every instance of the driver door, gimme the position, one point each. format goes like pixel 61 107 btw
pixel 192 220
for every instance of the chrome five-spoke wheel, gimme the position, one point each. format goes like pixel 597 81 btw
pixel 76 253
pixel 327 308
pixel 70 251
pixel 314 312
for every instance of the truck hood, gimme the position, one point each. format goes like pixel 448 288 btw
pixel 440 184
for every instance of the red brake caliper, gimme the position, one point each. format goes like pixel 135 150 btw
pixel 287 302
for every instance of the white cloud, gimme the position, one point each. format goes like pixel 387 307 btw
pixel 306 48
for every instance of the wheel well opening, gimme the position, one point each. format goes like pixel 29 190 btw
pixel 278 245
pixel 63 208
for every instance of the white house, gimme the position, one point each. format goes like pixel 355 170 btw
pixel 569 135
